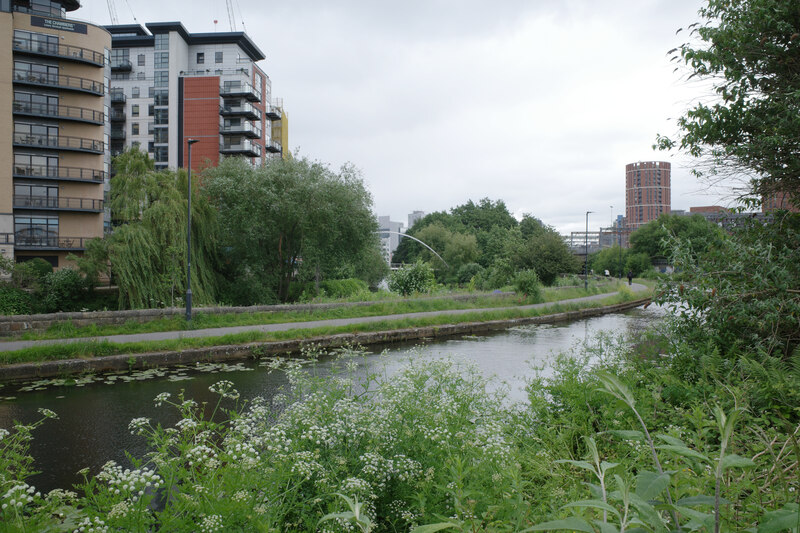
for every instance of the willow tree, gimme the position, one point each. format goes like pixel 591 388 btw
pixel 147 249
pixel 287 221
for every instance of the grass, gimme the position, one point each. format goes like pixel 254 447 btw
pixel 68 330
pixel 88 349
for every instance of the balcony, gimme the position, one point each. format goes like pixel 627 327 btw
pixel 244 109
pixel 88 175
pixel 59 142
pixel 59 203
pixel 61 51
pixel 117 115
pixel 118 97
pixel 240 89
pixel 245 147
pixel 24 240
pixel 59 81
pixel 63 112
pixel 273 113
pixel 247 129
pixel 122 65
pixel 117 135
pixel 272 146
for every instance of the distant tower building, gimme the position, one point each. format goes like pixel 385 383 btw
pixel 413 217
pixel 389 241
pixel 647 192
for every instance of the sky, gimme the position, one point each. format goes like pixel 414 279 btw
pixel 539 103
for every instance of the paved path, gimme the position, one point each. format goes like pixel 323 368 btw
pixel 6 346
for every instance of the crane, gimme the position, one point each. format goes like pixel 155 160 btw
pixel 231 17
pixel 112 12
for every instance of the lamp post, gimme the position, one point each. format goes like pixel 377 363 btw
pixel 586 252
pixel 190 142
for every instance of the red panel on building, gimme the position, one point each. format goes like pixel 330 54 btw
pixel 201 120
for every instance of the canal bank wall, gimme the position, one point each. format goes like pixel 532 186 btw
pixel 256 350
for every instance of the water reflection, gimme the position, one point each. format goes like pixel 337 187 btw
pixel 94 414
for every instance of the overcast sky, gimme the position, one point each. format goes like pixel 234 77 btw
pixel 540 103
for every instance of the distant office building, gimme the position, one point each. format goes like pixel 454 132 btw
pixel 169 85
pixel 53 116
pixel 413 217
pixel 390 239
pixel 647 192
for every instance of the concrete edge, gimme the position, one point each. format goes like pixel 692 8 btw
pixel 256 350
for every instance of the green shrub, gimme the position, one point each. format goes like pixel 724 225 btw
pixel 14 301
pixel 332 288
pixel 467 272
pixel 28 274
pixel 63 290
pixel 412 279
pixel 527 283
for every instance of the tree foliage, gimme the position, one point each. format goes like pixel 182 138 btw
pixel 412 279
pixel 651 238
pixel 749 50
pixel 290 220
pixel 147 249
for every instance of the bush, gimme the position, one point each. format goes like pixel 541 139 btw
pixel 28 274
pixel 14 301
pixel 63 290
pixel 467 272
pixel 412 278
pixel 527 283
pixel 332 288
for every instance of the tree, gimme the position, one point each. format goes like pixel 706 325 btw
pixel 545 252
pixel 147 249
pixel 288 220
pixel 749 50
pixel 612 259
pixel 651 239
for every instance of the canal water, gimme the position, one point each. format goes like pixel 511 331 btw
pixel 94 411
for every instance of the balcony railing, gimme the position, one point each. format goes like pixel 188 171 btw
pixel 64 112
pixel 273 113
pixel 243 108
pixel 59 142
pixel 64 51
pixel 122 65
pixel 118 97
pixel 52 242
pixel 59 173
pixel 272 146
pixel 245 128
pixel 245 147
pixel 240 88
pixel 117 135
pixel 59 81
pixel 29 201
pixel 117 115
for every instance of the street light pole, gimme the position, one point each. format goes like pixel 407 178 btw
pixel 586 252
pixel 190 142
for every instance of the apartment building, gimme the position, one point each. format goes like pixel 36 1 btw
pixel 169 85
pixel 647 192
pixel 54 134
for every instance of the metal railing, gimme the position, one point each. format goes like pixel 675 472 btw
pixel 236 88
pixel 61 81
pixel 273 112
pixel 59 202
pixel 60 173
pixel 122 64
pixel 59 111
pixel 50 241
pixel 246 128
pixel 66 51
pixel 117 135
pixel 246 146
pixel 243 108
pixel 272 145
pixel 62 142
pixel 118 97
pixel 117 115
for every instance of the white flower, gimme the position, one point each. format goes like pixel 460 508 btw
pixel 47 413
pixel 161 398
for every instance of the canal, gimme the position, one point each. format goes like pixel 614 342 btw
pixel 94 411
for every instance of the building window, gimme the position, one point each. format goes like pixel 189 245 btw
pixel 217 57
pixel 161 78
pixel 134 92
pixel 161 60
pixel 135 128
pixel 162 116
pixel 150 110
pixel 201 58
pixel 35 165
pixel 161 97
pixel 161 136
pixel 161 154
pixel 135 110
pixel 151 91
pixel 140 60
pixel 161 41
pixel 140 75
